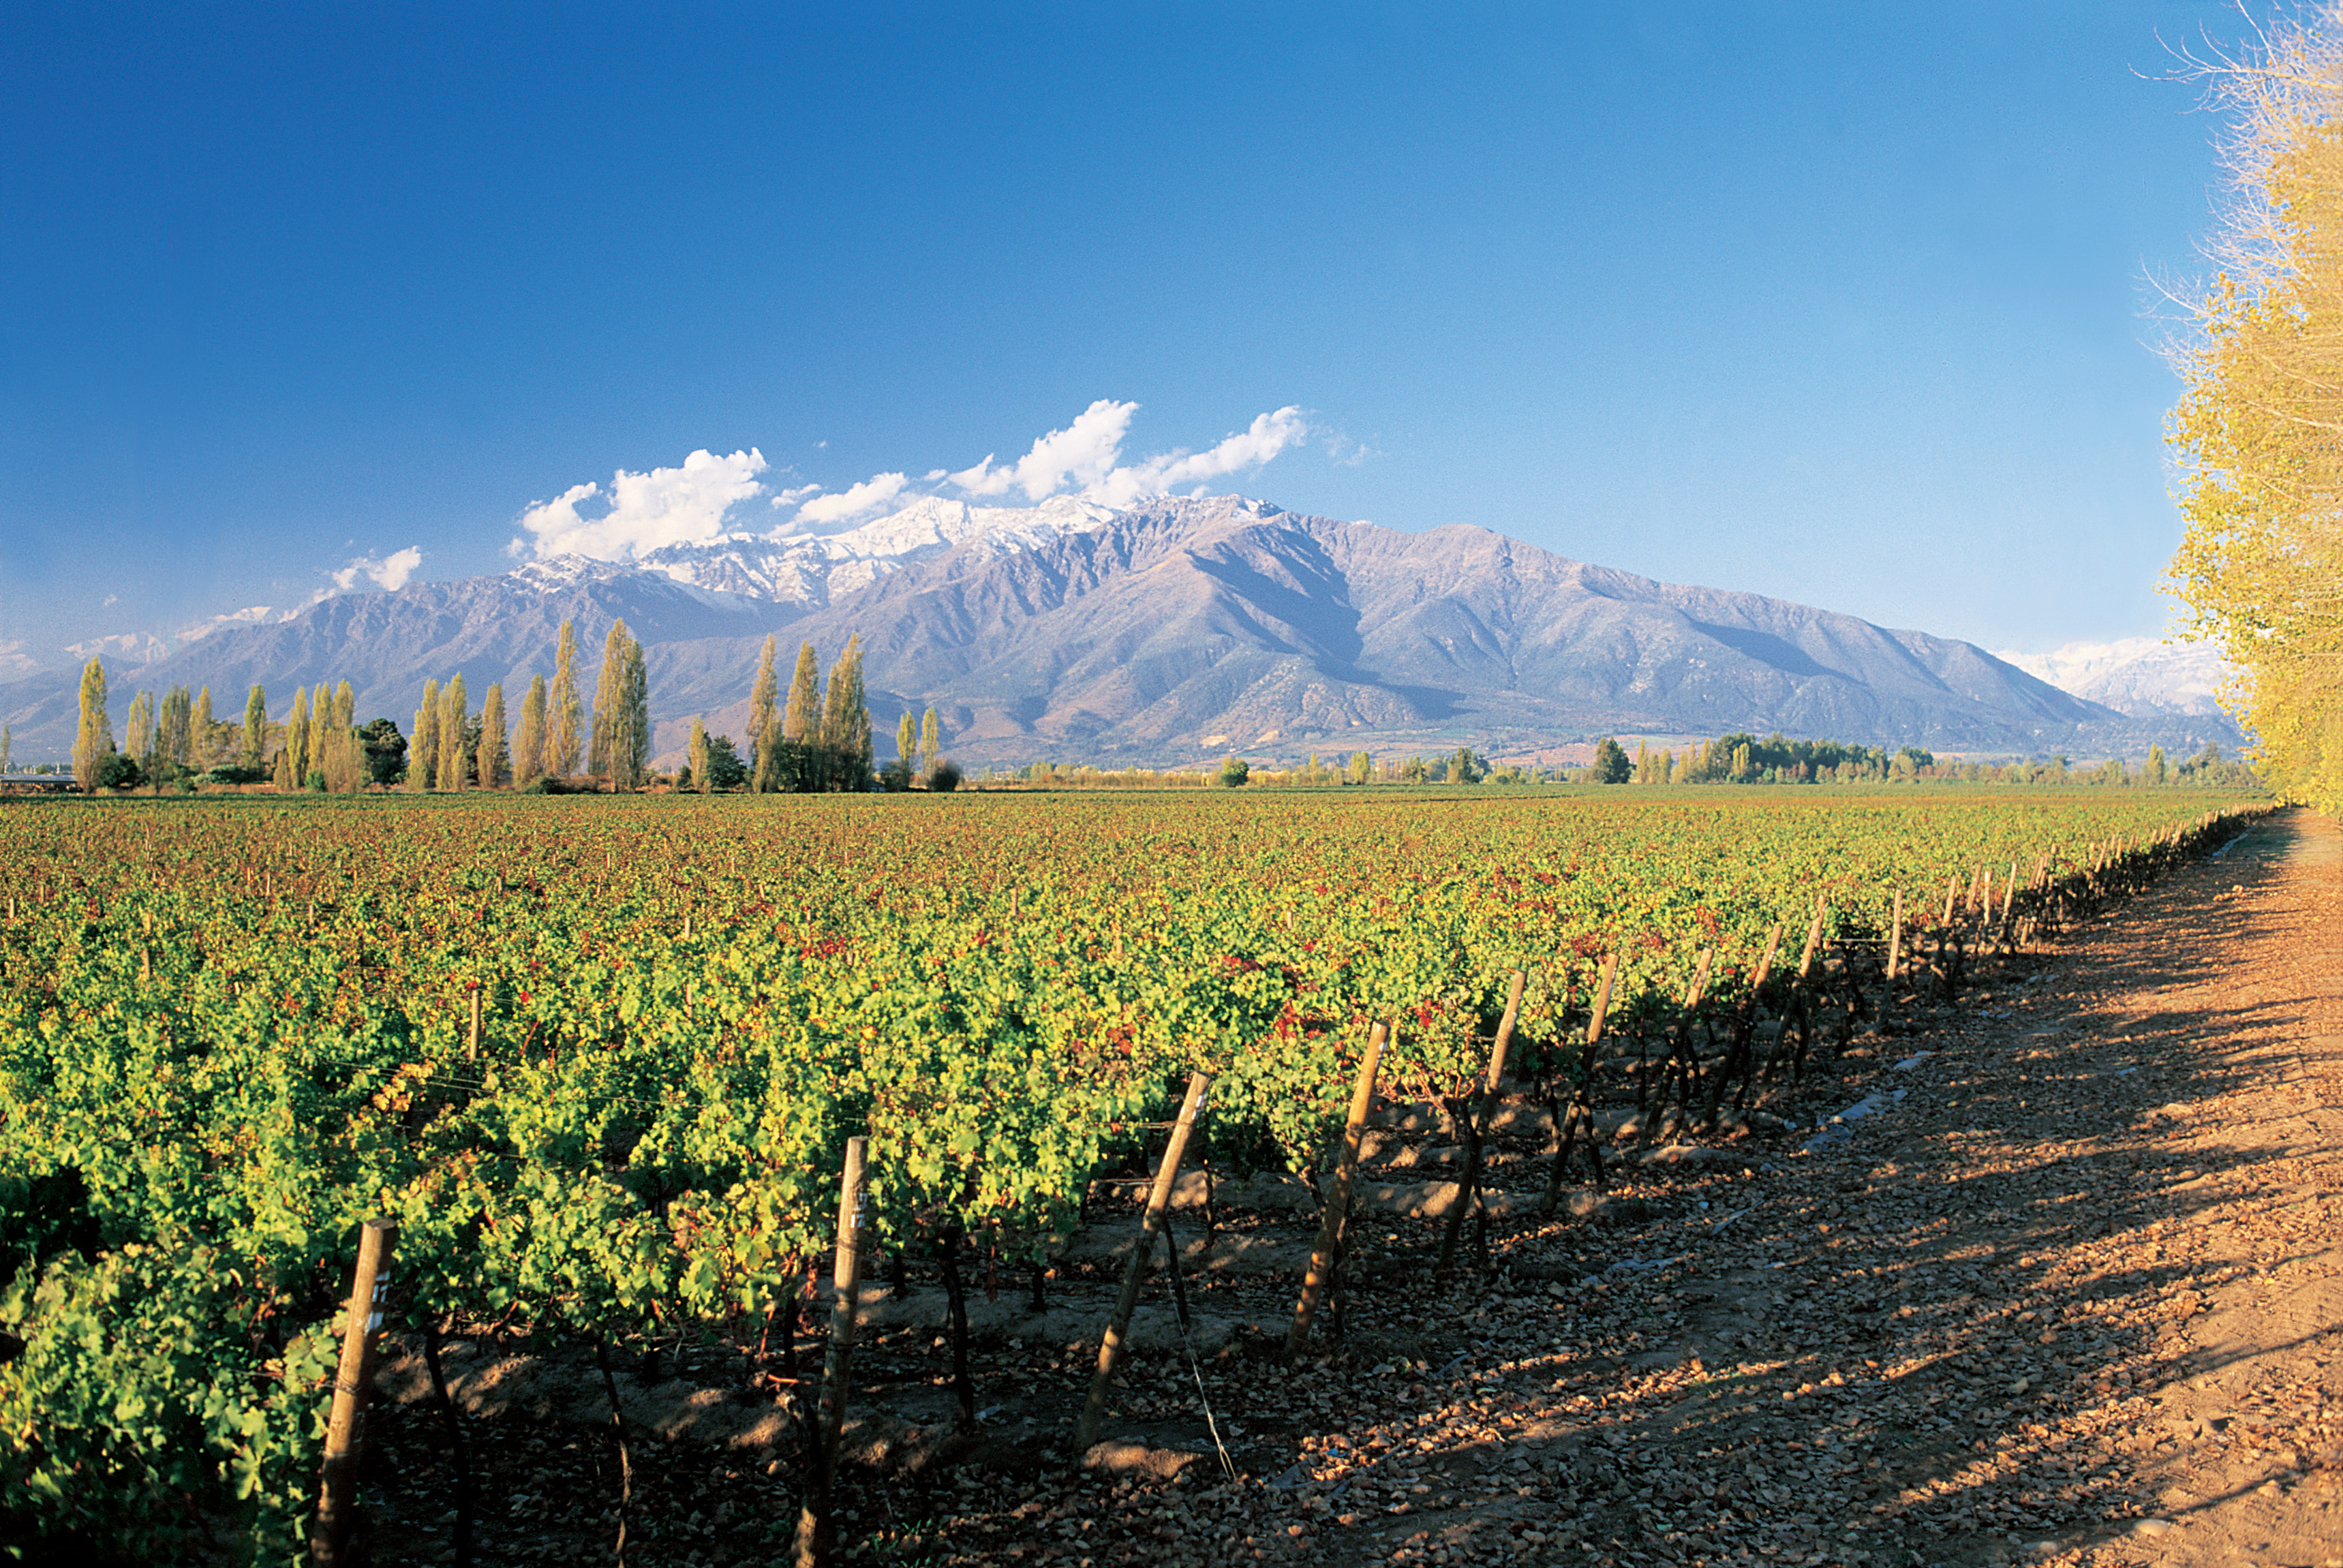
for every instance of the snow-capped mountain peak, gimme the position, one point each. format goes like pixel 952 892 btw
pixel 2139 676
pixel 795 564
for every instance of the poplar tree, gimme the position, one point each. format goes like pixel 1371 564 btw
pixel 765 778
pixel 634 737
pixel 138 732
pixel 296 737
pixel 346 707
pixel 563 711
pixel 321 724
pixel 256 729
pixel 493 760
pixel 173 721
pixel 454 710
pixel 607 684
pixel 202 745
pixel 141 735
pixel 846 720
pixel 931 742
pixel 622 724
pixel 698 751
pixel 422 752
pixel 283 776
pixel 528 751
pixel 906 741
pixel 94 740
pixel 2260 564
pixel 341 755
pixel 761 696
pixel 8 749
pixel 802 721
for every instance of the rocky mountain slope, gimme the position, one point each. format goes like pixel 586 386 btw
pixel 1171 630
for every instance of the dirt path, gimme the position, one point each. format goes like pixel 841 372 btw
pixel 2077 1295
pixel 2248 1465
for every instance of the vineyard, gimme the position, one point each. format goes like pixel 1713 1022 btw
pixel 600 1060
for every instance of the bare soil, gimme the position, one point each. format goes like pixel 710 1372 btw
pixel 2069 1292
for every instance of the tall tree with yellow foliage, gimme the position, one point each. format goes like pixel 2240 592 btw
pixel 2260 567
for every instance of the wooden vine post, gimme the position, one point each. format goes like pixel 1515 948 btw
pixel 1896 940
pixel 1805 991
pixel 1739 1057
pixel 816 1532
pixel 1134 1273
pixel 1468 1187
pixel 338 1500
pixel 1338 1198
pixel 1677 1071
pixel 1581 1109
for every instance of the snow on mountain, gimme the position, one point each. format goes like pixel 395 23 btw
pixel 133 648
pixel 563 573
pixel 251 615
pixel 2139 676
pixel 798 564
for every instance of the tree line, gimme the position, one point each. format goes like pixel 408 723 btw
pixel 819 739
pixel 174 739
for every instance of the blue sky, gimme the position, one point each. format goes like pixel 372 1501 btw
pixel 1844 303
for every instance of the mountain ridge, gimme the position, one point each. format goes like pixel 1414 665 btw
pixel 1161 632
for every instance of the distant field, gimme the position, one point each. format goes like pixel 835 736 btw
pixel 229 1029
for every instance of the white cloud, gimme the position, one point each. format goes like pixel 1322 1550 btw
pixel 866 496
pixel 794 494
pixel 14 662
pixel 390 572
pixel 1083 454
pixel 1265 437
pixel 1087 455
pixel 641 512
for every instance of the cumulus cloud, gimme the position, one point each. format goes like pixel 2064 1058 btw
pixel 1087 455
pixel 1082 453
pixel 794 494
pixel 1265 437
pixel 391 571
pixel 853 501
pixel 641 512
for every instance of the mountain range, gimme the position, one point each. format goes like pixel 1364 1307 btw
pixel 1168 631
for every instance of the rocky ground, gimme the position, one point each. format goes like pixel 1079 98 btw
pixel 2067 1291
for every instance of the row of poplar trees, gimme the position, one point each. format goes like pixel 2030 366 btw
pixel 175 737
pixel 819 740
pixel 452 747
pixel 2260 566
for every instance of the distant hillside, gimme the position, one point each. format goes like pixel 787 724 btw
pixel 1172 630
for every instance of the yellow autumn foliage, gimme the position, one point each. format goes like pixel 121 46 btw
pixel 2260 568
